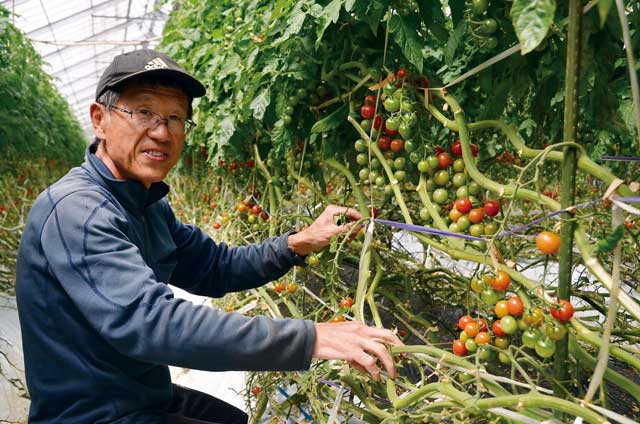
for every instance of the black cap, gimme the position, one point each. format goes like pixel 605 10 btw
pixel 147 62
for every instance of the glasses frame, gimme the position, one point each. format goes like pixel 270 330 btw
pixel 189 125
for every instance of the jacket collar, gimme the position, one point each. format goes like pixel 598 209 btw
pixel 132 194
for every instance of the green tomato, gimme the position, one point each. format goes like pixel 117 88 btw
pixel 375 163
pixel 392 123
pixel 409 146
pixel 471 345
pixel 464 222
pixel 433 162
pixel 424 214
pixel 389 89
pixel 399 163
pixel 380 181
pixel 522 326
pixel 362 159
pixel 372 176
pixel 490 43
pixel 430 185
pixel 501 342
pixel 388 190
pixel 479 244
pixel 360 145
pixel 462 192
pixel 423 165
pixel 414 157
pixel 288 110
pixel 479 7
pixel 490 228
pixel 363 174
pixel 441 177
pixel 488 26
pixel 366 125
pixel 530 337
pixel 301 93
pixel 440 196
pixel 504 358
pixel 391 105
pixel 463 336
pixel 489 296
pixel 453 227
pixel 476 230
pixel 407 106
pixel 556 331
pixel 484 353
pixel 459 180
pixel 545 347
pixel 458 165
pixel 473 188
pixel 400 175
pixel 287 119
pixel 508 324
pixel 405 131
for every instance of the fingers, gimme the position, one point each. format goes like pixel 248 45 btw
pixel 368 363
pixel 381 352
pixel 334 210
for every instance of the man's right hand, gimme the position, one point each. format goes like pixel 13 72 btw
pixel 355 343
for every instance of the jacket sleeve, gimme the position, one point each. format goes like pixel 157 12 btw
pixel 85 243
pixel 209 269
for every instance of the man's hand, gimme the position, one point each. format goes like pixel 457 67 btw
pixel 318 235
pixel 355 343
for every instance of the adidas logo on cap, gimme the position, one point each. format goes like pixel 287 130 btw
pixel 156 63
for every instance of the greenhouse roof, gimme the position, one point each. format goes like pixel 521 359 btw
pixel 78 38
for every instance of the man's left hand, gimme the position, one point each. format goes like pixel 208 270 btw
pixel 318 235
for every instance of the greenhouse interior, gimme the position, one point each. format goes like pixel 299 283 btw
pixel 319 211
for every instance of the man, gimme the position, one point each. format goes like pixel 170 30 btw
pixel 100 325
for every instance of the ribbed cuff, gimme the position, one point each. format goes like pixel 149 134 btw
pixel 292 257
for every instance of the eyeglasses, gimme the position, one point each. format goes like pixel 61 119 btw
pixel 148 120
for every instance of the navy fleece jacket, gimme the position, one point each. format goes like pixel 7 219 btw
pixel 99 323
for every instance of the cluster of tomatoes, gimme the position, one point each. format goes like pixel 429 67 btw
pixel 511 323
pixel 459 198
pixel 281 287
pixel 482 26
pixel 392 130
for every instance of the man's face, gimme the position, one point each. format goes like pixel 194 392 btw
pixel 135 153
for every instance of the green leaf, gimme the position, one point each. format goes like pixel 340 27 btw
pixel 331 121
pixel 329 16
pixel 433 17
pixel 227 128
pixel 294 24
pixel 603 10
pixel 531 20
pixel 259 103
pixel 455 38
pixel 405 32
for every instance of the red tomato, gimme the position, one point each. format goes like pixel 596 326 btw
pixel 464 320
pixel 501 281
pixel 367 111
pixel 482 324
pixel 370 100
pixel 384 142
pixel 346 302
pixel 456 148
pixel 256 210
pixel 444 160
pixel 483 338
pixel 515 307
pixel 402 73
pixel 279 287
pixel 256 390
pixel 497 330
pixel 472 329
pixel 491 208
pixel 548 242
pixel 562 310
pixel 476 215
pixel 213 205
pixel 475 150
pixel 463 205
pixel 402 333
pixel 216 226
pixel 292 288
pixel 501 308
pixel 337 318
pixel 397 145
pixel 459 348
pixel 377 122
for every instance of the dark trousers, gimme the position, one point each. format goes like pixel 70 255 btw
pixel 193 407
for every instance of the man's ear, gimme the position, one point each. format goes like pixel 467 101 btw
pixel 99 120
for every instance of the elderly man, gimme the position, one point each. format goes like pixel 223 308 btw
pixel 99 323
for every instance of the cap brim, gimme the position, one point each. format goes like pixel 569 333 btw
pixel 191 86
